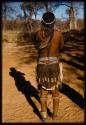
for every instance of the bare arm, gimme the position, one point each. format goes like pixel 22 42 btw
pixel 61 43
pixel 61 47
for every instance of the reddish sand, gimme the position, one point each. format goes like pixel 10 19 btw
pixel 16 107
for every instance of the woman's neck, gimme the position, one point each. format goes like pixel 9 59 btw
pixel 47 33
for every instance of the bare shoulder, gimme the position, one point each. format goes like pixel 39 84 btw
pixel 38 32
pixel 58 32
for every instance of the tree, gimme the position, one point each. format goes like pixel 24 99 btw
pixel 37 7
pixel 30 9
pixel 72 11
pixel 7 10
pixel 50 5
pixel 23 7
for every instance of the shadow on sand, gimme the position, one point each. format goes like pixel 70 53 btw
pixel 78 66
pixel 27 89
pixel 73 95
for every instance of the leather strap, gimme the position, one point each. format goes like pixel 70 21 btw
pixel 49 43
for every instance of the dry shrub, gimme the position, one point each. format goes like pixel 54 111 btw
pixel 74 35
pixel 27 34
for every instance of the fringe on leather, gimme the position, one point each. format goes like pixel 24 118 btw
pixel 47 75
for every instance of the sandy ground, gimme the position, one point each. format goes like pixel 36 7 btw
pixel 22 106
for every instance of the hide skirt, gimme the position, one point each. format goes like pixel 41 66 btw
pixel 47 75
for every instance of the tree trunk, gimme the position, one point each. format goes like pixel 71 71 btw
pixel 35 15
pixel 5 11
pixel 50 6
pixel 46 5
pixel 30 21
pixel 24 10
pixel 24 14
pixel 72 18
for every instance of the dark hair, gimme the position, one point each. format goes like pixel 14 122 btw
pixel 48 19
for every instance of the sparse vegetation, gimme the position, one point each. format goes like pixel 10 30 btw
pixel 19 54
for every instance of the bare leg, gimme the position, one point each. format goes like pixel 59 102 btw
pixel 55 94
pixel 43 99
